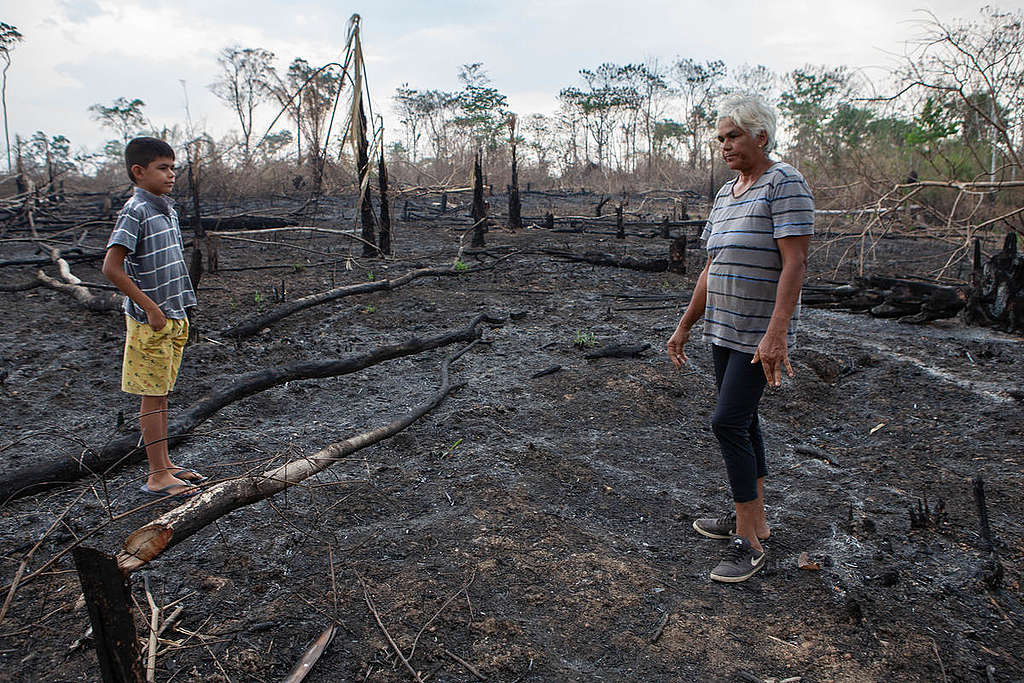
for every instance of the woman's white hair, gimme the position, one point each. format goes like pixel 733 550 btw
pixel 752 114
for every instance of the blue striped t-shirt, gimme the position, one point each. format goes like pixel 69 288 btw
pixel 148 228
pixel 745 260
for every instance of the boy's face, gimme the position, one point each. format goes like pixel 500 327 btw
pixel 156 177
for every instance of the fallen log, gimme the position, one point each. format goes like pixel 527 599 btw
pixel 45 260
pixel 175 525
pixel 74 286
pixel 254 324
pixel 618 351
pixel 125 450
pixel 912 301
pixel 20 287
pixel 244 222
pixel 601 259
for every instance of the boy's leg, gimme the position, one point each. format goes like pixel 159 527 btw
pixel 153 422
pixel 151 361
pixel 179 338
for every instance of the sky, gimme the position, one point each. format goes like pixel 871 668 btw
pixel 81 52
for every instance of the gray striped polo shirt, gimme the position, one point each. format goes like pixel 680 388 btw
pixel 745 261
pixel 148 228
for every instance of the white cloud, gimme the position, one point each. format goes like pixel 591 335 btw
pixel 80 52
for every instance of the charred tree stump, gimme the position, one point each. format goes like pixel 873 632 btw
pixel 620 229
pixel 107 597
pixel 479 206
pixel 212 253
pixel 444 202
pixel 365 205
pixel 996 297
pixel 405 211
pixel 664 228
pixel 549 221
pixel 385 209
pixel 991 572
pixel 677 256
pixel 600 206
pixel 515 207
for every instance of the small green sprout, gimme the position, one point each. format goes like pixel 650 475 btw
pixel 584 340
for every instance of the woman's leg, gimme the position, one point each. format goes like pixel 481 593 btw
pixel 740 386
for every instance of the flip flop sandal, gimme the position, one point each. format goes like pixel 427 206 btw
pixel 165 491
pixel 196 478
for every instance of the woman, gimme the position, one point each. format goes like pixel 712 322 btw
pixel 749 294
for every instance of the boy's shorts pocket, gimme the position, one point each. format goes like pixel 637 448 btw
pixel 152 357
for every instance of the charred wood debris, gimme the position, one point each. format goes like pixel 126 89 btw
pixel 59 222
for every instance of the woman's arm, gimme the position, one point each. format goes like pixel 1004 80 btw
pixel 772 352
pixel 694 312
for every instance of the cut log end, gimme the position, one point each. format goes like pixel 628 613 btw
pixel 144 545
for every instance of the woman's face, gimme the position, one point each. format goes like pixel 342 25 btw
pixel 741 150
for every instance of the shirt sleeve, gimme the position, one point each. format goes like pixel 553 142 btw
pixel 792 207
pixel 126 231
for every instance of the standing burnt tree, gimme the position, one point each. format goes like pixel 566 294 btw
pixel 479 206
pixel 365 205
pixel 9 37
pixel 515 207
pixel 385 210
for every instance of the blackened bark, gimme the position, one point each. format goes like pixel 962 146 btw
pixel 385 209
pixel 366 206
pixel 479 206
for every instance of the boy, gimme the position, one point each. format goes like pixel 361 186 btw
pixel 145 260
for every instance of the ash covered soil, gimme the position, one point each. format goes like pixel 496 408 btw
pixel 535 529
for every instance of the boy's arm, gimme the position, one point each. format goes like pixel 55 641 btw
pixel 113 269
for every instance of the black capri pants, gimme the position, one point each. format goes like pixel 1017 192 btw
pixel 735 424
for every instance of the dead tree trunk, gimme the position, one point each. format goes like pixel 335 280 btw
pixel 620 229
pixel 515 207
pixel 107 597
pixel 385 209
pixel 677 255
pixel 125 451
pixel 365 205
pixel 176 525
pixel 996 297
pixel 479 206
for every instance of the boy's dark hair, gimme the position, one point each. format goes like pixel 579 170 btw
pixel 144 151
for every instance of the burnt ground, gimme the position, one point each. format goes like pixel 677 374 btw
pixel 537 529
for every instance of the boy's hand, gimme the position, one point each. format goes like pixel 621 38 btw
pixel 157 319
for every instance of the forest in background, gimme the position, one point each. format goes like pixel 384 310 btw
pixel 942 134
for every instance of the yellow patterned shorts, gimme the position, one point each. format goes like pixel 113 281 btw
pixel 151 359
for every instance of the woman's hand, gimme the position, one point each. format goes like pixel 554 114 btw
pixel 773 356
pixel 675 345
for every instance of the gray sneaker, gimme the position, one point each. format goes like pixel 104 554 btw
pixel 716 527
pixel 741 562
pixel 720 527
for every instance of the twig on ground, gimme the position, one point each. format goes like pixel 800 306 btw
pixel 661 627
pixel 454 595
pixel 469 667
pixel 154 619
pixel 394 645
